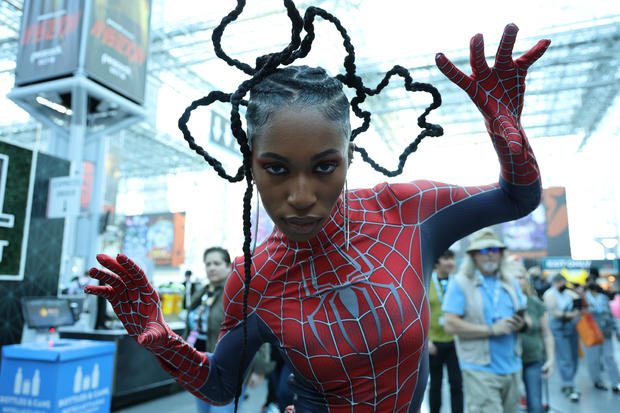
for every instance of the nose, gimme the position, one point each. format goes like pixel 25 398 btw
pixel 301 194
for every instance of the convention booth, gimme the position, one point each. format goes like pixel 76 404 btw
pixel 137 375
pixel 62 366
pixel 49 374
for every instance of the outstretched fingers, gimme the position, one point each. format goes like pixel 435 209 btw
pixel 532 55
pixel 112 265
pixel 477 60
pixel 503 57
pixel 104 291
pixel 134 271
pixel 453 73
pixel 111 279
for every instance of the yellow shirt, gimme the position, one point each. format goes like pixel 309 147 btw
pixel 436 331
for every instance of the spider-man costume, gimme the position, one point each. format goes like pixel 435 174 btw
pixel 352 322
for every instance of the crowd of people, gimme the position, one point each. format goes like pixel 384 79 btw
pixel 512 325
pixel 497 328
pixel 340 289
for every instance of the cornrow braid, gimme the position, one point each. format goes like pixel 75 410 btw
pixel 303 85
pixel 271 87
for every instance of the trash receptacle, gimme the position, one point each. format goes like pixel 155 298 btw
pixel 67 376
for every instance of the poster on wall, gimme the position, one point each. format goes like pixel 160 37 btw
pixel 160 237
pixel 117 45
pixel 544 232
pixel 49 40
pixel 17 169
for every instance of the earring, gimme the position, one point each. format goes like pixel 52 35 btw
pixel 346 215
pixel 257 215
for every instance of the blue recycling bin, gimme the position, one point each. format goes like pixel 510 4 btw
pixel 69 376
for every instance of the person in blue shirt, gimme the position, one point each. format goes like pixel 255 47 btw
pixel 563 318
pixel 601 354
pixel 484 309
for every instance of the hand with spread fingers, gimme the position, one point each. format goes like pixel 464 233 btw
pixel 133 299
pixel 498 93
pixel 137 305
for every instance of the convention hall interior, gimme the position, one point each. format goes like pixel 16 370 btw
pixel 92 161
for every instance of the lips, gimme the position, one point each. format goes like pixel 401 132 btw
pixel 302 225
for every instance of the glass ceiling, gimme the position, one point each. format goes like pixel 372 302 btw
pixel 570 115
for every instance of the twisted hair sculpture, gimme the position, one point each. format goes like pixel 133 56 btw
pixel 271 84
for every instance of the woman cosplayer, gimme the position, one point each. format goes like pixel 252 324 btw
pixel 339 288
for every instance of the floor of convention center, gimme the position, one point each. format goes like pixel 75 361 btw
pixel 592 400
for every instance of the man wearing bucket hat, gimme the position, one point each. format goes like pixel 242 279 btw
pixel 484 309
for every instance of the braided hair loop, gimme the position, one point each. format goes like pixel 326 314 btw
pixel 274 83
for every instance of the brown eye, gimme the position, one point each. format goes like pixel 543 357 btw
pixel 325 168
pixel 275 169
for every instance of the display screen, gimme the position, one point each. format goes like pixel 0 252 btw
pixel 47 312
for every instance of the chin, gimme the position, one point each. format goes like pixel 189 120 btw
pixel 300 237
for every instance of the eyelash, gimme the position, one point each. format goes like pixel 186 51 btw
pixel 269 168
pixel 331 165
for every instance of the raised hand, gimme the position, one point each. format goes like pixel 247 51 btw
pixel 138 307
pixel 497 91
pixel 133 299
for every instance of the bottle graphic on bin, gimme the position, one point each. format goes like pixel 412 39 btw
pixel 36 383
pixel 77 380
pixel 83 382
pixel 26 386
pixel 94 383
pixel 17 383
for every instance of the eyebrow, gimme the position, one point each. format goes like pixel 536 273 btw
pixel 285 159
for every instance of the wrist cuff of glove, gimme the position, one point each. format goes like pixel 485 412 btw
pixel 182 361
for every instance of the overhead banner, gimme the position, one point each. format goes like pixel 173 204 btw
pixel 17 167
pixel 117 45
pixel 49 40
pixel 576 271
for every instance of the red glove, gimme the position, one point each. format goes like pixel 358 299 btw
pixel 138 307
pixel 498 94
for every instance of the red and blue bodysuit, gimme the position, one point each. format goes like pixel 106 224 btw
pixel 351 322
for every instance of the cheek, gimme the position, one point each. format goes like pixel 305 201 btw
pixel 271 197
pixel 334 186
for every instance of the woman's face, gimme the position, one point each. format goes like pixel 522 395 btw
pixel 523 281
pixel 217 269
pixel 299 162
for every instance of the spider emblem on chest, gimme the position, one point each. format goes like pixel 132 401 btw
pixel 346 288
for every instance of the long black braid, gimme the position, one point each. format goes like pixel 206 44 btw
pixel 270 86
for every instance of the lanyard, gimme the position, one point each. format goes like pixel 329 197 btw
pixel 599 306
pixel 493 296
pixel 564 302
pixel 440 292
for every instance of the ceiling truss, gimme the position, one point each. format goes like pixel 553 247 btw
pixel 569 90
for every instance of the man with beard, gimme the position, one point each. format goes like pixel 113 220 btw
pixel 483 308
